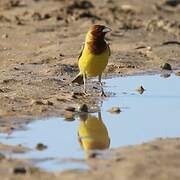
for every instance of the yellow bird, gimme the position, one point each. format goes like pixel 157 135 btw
pixel 94 56
pixel 92 133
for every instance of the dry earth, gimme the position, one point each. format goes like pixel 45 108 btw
pixel 39 44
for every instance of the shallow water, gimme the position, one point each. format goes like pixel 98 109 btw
pixel 144 117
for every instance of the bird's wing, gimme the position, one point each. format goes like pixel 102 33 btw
pixel 81 51
pixel 79 78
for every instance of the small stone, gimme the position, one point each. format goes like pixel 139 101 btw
pixel 77 94
pixel 80 5
pixel 149 48
pixel 83 108
pixel 15 3
pixel 4 36
pixel 69 116
pixel 172 3
pixel 16 68
pixel 118 159
pixel 140 90
pixel 114 110
pixel 128 8
pixel 59 18
pixel 61 55
pixel 86 5
pixel 166 66
pixel 46 16
pixel 74 96
pixel 19 170
pixel 72 109
pixel 42 102
pixel 41 147
pixel 49 103
pixel 37 102
pixel 37 16
pixel 177 73
pixel 61 99
pixel 8 80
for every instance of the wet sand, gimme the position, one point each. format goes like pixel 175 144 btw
pixel 40 43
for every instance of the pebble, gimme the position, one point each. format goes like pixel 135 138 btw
pixel 47 16
pixel 72 109
pixel 86 5
pixel 77 94
pixel 128 8
pixel 114 110
pixel 42 102
pixel 37 16
pixel 81 5
pixel 172 3
pixel 19 170
pixel 59 18
pixel 140 90
pixel 69 116
pixel 166 66
pixel 149 48
pixel 38 102
pixel 47 102
pixel 177 73
pixel 41 147
pixel 4 36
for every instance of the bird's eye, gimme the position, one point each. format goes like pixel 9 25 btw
pixel 99 29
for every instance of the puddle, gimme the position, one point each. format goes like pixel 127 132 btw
pixel 144 117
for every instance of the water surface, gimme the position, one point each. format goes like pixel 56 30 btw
pixel 144 117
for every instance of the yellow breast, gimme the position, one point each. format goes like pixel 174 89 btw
pixel 93 64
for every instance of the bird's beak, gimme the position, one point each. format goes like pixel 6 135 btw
pixel 106 29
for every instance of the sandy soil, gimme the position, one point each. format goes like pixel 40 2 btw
pixel 40 41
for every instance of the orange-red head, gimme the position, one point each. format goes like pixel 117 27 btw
pixel 95 38
pixel 99 30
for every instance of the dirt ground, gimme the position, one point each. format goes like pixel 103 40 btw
pixel 40 41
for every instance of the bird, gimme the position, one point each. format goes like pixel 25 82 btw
pixel 94 56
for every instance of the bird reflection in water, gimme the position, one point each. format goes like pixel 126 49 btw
pixel 92 133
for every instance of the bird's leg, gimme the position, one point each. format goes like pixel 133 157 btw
pixel 84 80
pixel 101 85
pixel 99 116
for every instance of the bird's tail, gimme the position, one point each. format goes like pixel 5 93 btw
pixel 78 79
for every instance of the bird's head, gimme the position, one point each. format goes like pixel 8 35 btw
pixel 98 31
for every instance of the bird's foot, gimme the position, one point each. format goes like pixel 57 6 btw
pixel 102 94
